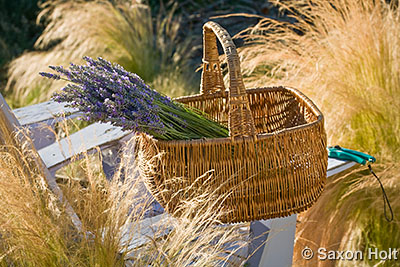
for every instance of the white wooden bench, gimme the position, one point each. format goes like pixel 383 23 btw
pixel 277 251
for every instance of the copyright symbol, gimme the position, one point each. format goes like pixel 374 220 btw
pixel 307 253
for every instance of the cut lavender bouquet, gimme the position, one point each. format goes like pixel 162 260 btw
pixel 108 93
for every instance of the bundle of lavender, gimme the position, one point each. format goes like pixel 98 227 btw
pixel 106 92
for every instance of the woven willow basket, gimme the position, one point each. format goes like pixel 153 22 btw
pixel 273 164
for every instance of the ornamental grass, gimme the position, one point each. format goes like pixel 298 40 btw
pixel 35 229
pixel 121 31
pixel 345 55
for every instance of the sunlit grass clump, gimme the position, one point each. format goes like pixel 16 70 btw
pixel 350 216
pixel 124 32
pixel 344 55
pixel 36 230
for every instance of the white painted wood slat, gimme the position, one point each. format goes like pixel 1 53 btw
pixel 41 112
pixel 100 135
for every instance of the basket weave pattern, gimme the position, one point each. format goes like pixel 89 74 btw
pixel 274 162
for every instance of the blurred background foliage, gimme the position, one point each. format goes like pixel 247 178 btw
pixel 18 31
pixel 159 40
pixel 18 28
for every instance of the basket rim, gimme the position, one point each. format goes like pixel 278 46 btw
pixel 261 136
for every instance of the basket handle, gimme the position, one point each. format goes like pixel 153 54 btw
pixel 240 121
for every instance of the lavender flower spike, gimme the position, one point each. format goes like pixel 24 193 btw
pixel 50 75
pixel 106 92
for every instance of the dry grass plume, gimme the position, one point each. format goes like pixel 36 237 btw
pixel 36 231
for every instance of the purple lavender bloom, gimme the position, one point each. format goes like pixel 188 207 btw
pixel 107 92
pixel 50 75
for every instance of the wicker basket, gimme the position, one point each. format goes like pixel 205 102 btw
pixel 273 164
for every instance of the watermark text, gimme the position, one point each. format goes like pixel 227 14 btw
pixel 350 255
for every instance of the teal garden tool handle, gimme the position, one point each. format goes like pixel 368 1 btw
pixel 338 152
